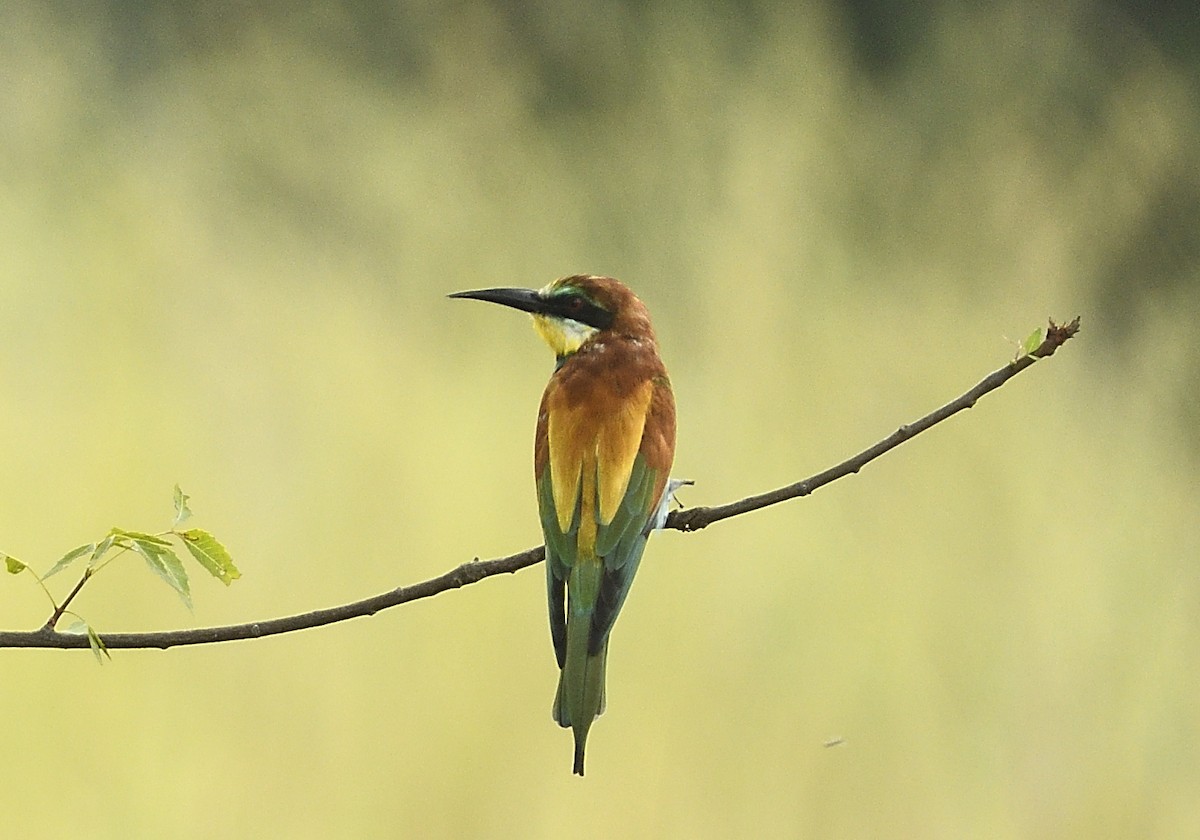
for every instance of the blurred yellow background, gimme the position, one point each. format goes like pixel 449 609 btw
pixel 226 234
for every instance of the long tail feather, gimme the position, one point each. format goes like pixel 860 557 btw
pixel 580 744
pixel 580 696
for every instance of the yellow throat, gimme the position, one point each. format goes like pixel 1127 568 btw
pixel 564 335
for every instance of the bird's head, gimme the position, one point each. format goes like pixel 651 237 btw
pixel 571 311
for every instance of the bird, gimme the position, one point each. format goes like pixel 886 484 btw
pixel 603 448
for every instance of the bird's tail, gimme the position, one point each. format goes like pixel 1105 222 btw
pixel 580 696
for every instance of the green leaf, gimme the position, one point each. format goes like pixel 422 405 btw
pixel 167 565
pixel 97 645
pixel 1033 342
pixel 182 511
pixel 210 554
pixel 139 536
pixel 14 566
pixel 79 627
pixel 101 549
pixel 69 558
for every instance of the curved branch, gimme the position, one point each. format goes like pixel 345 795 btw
pixel 689 519
pixel 693 519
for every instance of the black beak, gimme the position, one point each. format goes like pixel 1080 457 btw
pixel 527 300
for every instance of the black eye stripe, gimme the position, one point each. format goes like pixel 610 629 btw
pixel 578 308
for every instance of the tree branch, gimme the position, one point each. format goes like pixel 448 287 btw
pixel 689 519
pixel 693 519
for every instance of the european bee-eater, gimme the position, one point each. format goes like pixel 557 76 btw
pixel 603 448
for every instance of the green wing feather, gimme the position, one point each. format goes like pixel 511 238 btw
pixel 619 544
pixel 560 556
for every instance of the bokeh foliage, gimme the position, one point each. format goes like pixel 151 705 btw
pixel 226 231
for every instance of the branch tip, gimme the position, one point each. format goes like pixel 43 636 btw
pixel 1056 336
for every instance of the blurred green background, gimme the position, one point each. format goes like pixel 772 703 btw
pixel 226 233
